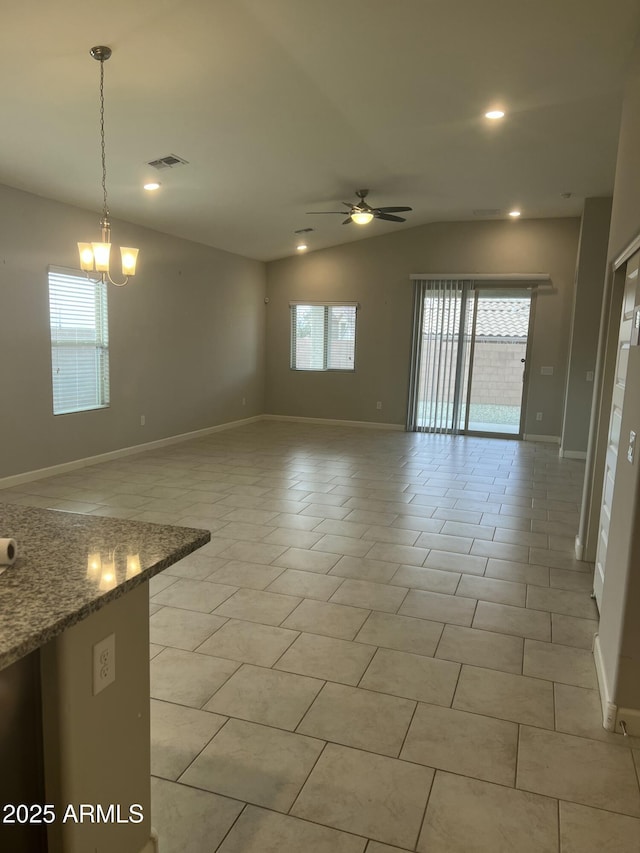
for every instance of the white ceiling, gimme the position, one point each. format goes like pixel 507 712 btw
pixel 285 106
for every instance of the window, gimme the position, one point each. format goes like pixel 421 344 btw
pixel 79 342
pixel 323 336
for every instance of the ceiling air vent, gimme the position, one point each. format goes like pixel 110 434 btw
pixel 168 162
pixel 489 211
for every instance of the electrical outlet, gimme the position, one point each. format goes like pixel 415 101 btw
pixel 244 401
pixel 104 663
pixel 589 375
pixel 378 405
pixel 546 371
pixel 631 450
pixel 538 416
pixel 143 420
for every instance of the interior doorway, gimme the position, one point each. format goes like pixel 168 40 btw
pixel 470 357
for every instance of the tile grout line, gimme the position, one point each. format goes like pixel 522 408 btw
pixel 301 789
pixel 234 822
pixel 426 808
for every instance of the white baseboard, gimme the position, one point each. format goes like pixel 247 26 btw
pixel 63 467
pixel 609 709
pixel 29 476
pixel 550 439
pixel 333 422
pixel 572 454
pixel 578 549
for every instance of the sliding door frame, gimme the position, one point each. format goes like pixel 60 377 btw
pixel 525 374
pixel 466 292
pixel 474 283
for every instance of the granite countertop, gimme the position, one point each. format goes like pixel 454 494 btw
pixel 71 565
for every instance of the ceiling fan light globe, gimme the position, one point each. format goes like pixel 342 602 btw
pixel 362 217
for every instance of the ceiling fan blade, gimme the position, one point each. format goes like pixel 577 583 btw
pixel 393 209
pixel 317 212
pixel 347 220
pixel 389 217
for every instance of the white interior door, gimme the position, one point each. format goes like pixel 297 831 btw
pixel 615 423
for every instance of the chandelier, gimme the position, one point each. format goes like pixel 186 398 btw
pixel 94 257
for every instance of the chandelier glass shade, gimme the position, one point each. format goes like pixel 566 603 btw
pixel 95 256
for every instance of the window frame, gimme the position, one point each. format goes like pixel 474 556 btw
pixel 96 340
pixel 293 306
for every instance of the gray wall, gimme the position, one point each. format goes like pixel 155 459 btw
pixel 620 615
pixel 590 278
pixel 375 272
pixel 186 337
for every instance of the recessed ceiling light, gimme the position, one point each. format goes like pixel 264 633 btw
pixel 301 240
pixel 152 185
pixel 494 114
pixel 514 213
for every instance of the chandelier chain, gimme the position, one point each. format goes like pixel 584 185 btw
pixel 105 207
pixel 94 256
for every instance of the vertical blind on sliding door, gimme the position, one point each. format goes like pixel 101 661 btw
pixel 442 325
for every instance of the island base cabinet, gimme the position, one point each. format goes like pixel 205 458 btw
pixel 97 746
pixel 21 762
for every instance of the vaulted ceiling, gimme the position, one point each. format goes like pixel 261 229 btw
pixel 286 106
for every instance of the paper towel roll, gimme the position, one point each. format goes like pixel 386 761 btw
pixel 8 552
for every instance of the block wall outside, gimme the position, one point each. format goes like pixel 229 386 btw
pixel 497 372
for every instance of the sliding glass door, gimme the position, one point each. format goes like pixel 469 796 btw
pixel 498 361
pixel 469 358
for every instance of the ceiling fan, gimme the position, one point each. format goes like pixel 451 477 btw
pixel 361 213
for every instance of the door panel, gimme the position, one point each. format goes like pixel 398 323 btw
pixel 615 424
pixel 499 354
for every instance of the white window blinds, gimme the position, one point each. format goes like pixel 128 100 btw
pixel 438 382
pixel 323 336
pixel 79 342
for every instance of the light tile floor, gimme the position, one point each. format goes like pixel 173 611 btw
pixel 385 646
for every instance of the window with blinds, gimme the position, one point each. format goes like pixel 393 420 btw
pixel 323 336
pixel 79 342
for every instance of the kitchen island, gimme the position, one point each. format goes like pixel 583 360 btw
pixel 74 719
